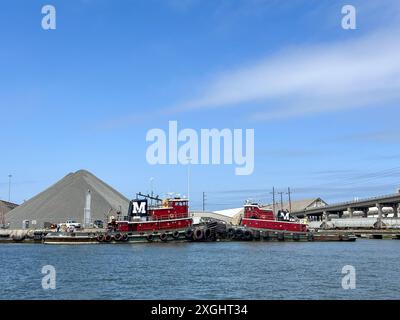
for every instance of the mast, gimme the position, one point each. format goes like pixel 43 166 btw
pixel 273 199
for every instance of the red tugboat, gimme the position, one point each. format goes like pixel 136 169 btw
pixel 256 217
pixel 151 219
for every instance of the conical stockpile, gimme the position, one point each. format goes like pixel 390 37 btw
pixel 65 200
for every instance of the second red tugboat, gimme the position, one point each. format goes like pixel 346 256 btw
pixel 256 217
pixel 259 223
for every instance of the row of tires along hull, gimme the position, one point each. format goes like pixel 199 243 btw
pixel 210 234
pixel 240 234
pixel 197 234
pixel 257 235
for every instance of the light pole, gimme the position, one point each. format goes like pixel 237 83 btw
pixel 9 187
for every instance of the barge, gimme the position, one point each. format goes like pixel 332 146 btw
pixel 70 237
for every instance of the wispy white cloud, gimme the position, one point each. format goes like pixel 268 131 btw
pixel 311 79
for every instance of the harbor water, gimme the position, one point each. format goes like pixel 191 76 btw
pixel 231 270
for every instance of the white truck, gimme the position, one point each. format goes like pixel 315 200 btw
pixel 73 224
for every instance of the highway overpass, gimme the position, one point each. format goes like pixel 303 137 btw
pixel 363 205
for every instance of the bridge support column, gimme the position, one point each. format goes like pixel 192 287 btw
pixel 325 218
pixel 395 210
pixel 350 211
pixel 380 213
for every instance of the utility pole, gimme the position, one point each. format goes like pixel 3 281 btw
pixel 273 199
pixel 281 193
pixel 204 201
pixel 188 179
pixel 9 187
pixel 290 200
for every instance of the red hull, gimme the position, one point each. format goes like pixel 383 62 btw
pixel 274 225
pixel 260 218
pixel 154 225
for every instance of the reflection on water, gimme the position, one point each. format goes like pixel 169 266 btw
pixel 232 270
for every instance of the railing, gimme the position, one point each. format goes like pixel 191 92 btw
pixel 168 217
pixel 172 216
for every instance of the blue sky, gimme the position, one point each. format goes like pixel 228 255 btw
pixel 323 101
